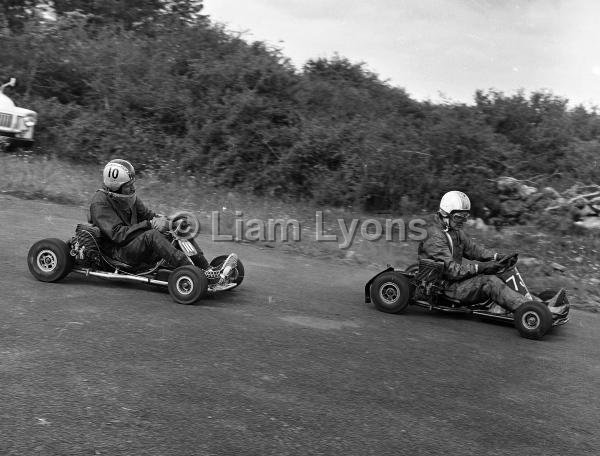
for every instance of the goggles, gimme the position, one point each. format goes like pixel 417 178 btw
pixel 460 217
pixel 128 185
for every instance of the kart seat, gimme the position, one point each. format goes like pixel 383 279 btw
pixel 428 279
pixel 430 282
pixel 429 270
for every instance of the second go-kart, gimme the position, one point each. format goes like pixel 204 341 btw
pixel 52 259
pixel 421 284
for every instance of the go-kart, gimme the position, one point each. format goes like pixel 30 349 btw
pixel 52 259
pixel 393 290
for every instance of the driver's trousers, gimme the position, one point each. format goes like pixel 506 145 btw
pixel 482 287
pixel 152 245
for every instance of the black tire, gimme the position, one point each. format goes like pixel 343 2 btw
pixel 49 260
pixel 533 320
pixel 237 275
pixel 412 269
pixel 187 284
pixel 390 292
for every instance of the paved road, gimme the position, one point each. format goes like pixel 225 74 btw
pixel 291 363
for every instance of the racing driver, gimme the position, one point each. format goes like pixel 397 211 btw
pixel 476 282
pixel 132 233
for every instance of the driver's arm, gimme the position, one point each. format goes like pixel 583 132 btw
pixel 143 212
pixel 111 225
pixel 474 251
pixel 435 247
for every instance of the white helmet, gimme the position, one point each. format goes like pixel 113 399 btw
pixel 454 201
pixel 117 173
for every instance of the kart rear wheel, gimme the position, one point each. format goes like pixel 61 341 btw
pixel 412 269
pixel 390 292
pixel 187 284
pixel 237 274
pixel 49 260
pixel 533 320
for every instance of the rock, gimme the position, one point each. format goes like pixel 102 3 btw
pixel 578 259
pixel 526 190
pixel 549 191
pixel 589 223
pixel 529 261
pixel 512 208
pixel 558 267
pixel 507 184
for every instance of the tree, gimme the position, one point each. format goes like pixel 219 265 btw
pixel 130 12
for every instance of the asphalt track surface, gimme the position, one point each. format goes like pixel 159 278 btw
pixel 293 362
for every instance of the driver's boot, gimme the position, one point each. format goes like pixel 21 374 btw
pixel 200 261
pixel 228 265
pixel 557 304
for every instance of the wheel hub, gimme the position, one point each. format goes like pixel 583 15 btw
pixel 389 292
pixel 531 320
pixel 184 285
pixel 47 260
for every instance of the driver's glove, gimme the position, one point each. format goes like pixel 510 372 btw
pixel 503 256
pixel 489 267
pixel 160 223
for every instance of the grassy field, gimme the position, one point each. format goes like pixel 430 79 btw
pixel 549 258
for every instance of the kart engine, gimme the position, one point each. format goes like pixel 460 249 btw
pixel 84 246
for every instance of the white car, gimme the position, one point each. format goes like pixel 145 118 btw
pixel 16 124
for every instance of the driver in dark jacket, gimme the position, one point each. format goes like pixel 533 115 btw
pixel 131 232
pixel 475 282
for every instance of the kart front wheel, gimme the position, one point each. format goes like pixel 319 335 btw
pixel 236 275
pixel 187 284
pixel 533 320
pixel 390 292
pixel 49 260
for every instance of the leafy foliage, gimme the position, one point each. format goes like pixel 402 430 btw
pixel 157 83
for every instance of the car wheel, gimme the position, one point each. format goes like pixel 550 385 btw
pixel 533 320
pixel 187 284
pixel 237 274
pixel 49 260
pixel 390 292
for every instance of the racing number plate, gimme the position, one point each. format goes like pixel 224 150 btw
pixel 515 281
pixel 187 247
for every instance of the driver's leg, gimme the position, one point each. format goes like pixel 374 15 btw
pixel 149 246
pixel 199 259
pixel 479 288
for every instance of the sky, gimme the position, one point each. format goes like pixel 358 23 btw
pixel 437 50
